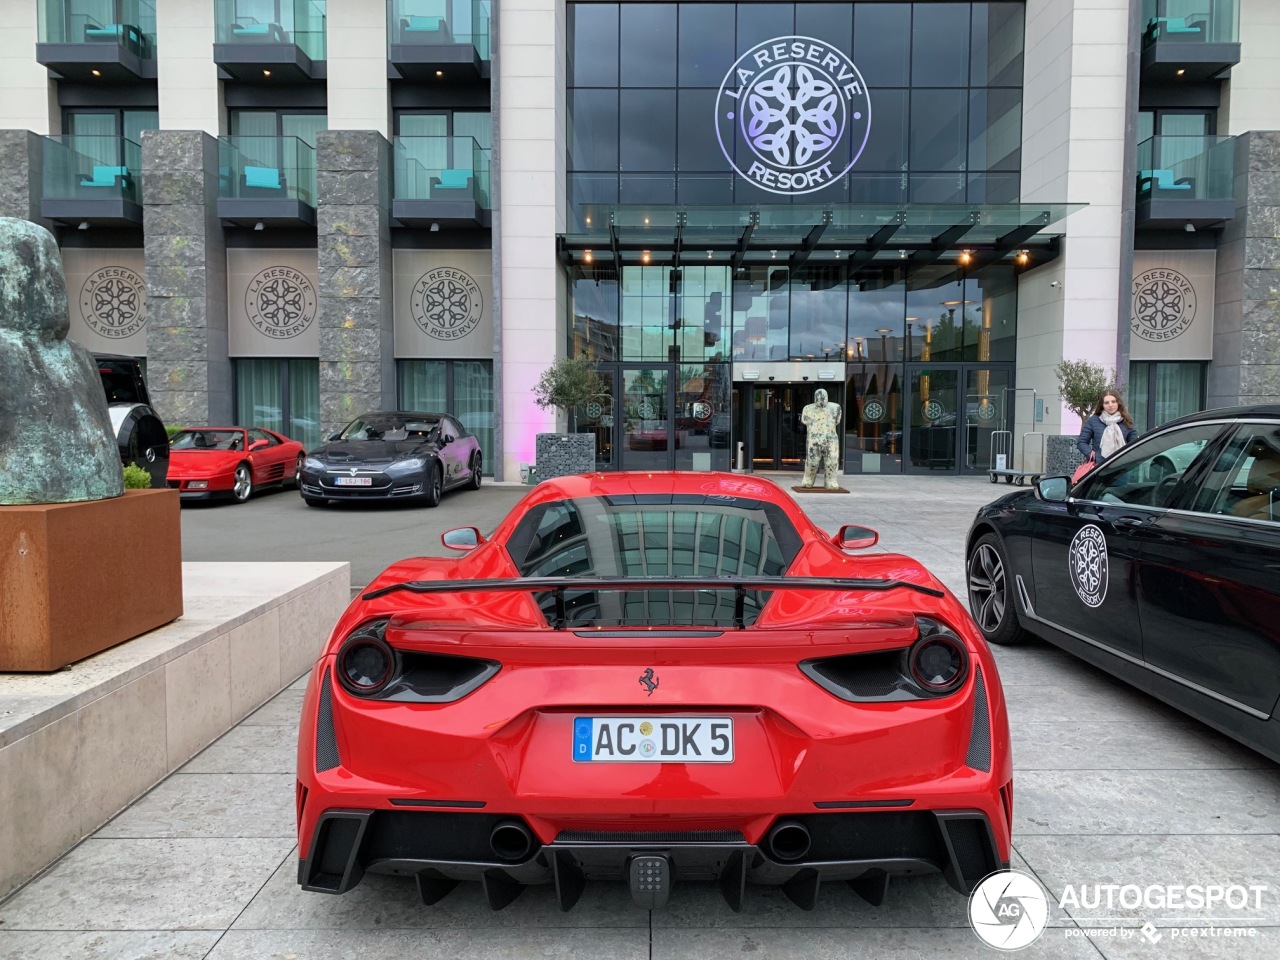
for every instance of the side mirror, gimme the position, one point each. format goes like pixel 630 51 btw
pixel 334 436
pixel 256 445
pixel 1053 489
pixel 442 439
pixel 462 538
pixel 853 537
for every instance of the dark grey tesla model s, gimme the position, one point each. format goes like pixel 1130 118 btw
pixel 393 455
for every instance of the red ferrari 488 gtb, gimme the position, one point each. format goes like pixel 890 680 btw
pixel 658 679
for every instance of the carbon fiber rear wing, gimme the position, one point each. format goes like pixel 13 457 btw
pixel 558 586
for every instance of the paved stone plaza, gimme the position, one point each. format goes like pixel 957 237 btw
pixel 1110 787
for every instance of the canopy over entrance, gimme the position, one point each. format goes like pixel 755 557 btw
pixel 973 235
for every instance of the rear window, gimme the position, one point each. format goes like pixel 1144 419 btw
pixel 669 535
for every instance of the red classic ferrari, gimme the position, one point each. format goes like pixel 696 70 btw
pixel 207 462
pixel 654 678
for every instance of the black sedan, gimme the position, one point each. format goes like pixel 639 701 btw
pixel 392 456
pixel 1161 566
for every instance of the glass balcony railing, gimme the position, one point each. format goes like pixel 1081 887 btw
pixel 1191 21
pixel 92 168
pixel 129 24
pixel 431 22
pixel 441 168
pixel 300 22
pixel 267 168
pixel 1186 168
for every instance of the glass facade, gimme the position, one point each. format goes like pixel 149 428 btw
pixel 462 388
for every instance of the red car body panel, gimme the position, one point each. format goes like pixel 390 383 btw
pixel 505 747
pixel 273 464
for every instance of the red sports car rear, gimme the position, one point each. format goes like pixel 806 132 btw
pixel 655 678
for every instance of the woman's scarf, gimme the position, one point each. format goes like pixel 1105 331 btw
pixel 1112 438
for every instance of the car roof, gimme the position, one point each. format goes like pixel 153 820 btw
pixel 643 482
pixel 401 413
pixel 114 356
pixel 1226 413
pixel 188 429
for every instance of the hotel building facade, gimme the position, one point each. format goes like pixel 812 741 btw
pixel 297 211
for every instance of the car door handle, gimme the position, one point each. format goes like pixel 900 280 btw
pixel 1128 522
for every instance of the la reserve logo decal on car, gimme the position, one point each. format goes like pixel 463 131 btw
pixel 1087 561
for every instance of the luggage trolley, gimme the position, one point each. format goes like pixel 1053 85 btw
pixel 1003 446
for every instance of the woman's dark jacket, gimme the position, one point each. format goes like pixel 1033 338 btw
pixel 1091 437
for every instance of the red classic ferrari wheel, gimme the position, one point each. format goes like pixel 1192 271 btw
pixel 242 486
pixel 297 472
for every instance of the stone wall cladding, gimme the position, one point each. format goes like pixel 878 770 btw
pixel 565 454
pixel 353 239
pixel 184 256
pixel 1246 343
pixel 21 175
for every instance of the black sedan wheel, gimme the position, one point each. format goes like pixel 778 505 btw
pixel 434 487
pixel 242 486
pixel 991 593
pixel 477 472
pixel 297 473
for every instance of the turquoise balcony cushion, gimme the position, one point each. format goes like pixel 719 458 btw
pixel 455 179
pixel 252 29
pixel 263 178
pixel 105 176
pixel 417 24
pixel 1162 179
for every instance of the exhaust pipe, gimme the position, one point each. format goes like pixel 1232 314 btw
pixel 788 841
pixel 511 841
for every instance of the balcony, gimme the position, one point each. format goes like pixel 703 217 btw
pixel 98 39
pixel 1186 40
pixel 267 180
pixel 265 41
pixel 92 180
pixel 1186 180
pixel 441 182
pixel 438 39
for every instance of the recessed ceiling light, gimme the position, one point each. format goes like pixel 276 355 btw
pixel 266 73
pixel 586 256
pixel 1181 72
pixel 439 73
pixel 97 73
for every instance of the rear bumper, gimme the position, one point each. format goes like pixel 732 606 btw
pixel 441 849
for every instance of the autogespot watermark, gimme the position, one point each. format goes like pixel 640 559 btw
pixel 1009 910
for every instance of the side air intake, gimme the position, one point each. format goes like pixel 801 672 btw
pixel 326 739
pixel 979 755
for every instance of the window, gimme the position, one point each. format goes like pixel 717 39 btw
pixel 1245 481
pixel 463 388
pixel 281 395
pixel 1149 475
pixel 1160 391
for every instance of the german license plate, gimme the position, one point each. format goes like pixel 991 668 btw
pixel 353 481
pixel 653 739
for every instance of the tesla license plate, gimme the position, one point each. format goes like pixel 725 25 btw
pixel 653 739
pixel 353 481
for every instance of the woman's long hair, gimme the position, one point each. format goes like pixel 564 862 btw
pixel 1120 407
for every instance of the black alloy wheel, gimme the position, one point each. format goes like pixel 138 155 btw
pixel 991 593
pixel 477 472
pixel 242 485
pixel 434 486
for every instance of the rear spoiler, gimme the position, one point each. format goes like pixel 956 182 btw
pixel 558 585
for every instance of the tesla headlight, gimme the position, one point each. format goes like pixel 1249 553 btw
pixel 407 466
pixel 312 464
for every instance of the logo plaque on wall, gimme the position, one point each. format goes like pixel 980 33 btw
pixel 446 303
pixel 1164 305
pixel 280 302
pixel 113 302
pixel 793 115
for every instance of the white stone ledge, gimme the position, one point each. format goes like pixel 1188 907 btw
pixel 80 744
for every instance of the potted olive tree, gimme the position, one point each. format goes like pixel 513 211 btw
pixel 566 385
pixel 1080 384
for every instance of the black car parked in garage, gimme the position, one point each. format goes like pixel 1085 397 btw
pixel 393 455
pixel 1161 566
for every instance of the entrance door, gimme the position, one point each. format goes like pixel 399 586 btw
pixel 777 435
pixel 932 415
pixel 649 434
pixel 953 411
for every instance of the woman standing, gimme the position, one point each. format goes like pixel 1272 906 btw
pixel 1108 430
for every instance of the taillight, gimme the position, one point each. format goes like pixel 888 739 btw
pixel 938 661
pixel 366 662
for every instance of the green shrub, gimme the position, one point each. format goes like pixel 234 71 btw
pixel 568 383
pixel 136 478
pixel 1081 384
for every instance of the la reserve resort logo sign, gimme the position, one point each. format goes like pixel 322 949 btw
pixel 793 115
